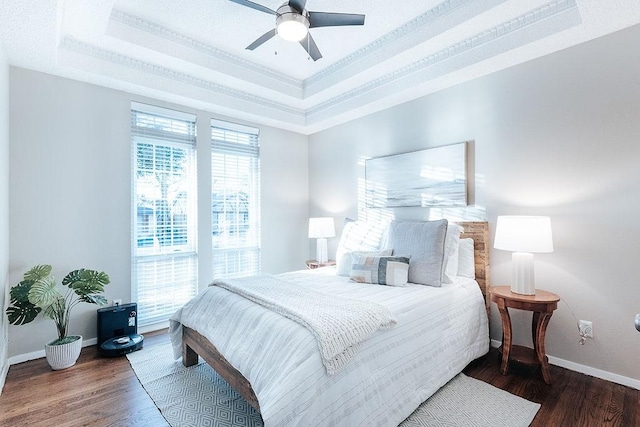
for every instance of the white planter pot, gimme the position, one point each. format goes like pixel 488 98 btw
pixel 65 355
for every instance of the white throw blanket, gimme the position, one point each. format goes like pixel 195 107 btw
pixel 339 324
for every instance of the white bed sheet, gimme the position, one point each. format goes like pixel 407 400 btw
pixel 439 331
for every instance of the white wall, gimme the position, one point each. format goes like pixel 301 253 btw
pixel 558 136
pixel 70 187
pixel 4 211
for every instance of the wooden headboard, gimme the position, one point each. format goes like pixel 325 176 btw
pixel 479 232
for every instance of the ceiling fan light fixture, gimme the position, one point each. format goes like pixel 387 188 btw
pixel 291 25
pixel 292 31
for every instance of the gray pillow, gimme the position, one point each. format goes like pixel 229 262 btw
pixel 424 242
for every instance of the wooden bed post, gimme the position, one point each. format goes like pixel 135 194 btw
pixel 189 356
pixel 194 344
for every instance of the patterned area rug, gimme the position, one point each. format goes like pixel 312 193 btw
pixel 197 396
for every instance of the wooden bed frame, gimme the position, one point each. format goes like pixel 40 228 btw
pixel 194 344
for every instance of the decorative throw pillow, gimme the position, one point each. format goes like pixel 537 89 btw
pixel 358 236
pixel 424 240
pixel 451 243
pixel 466 259
pixel 381 270
pixel 347 259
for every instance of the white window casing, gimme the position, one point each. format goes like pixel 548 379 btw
pixel 164 211
pixel 235 199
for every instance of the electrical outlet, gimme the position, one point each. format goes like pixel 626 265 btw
pixel 585 328
pixel 116 302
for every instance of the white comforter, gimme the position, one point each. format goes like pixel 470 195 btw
pixel 438 332
pixel 338 324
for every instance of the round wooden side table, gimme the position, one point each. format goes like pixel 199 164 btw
pixel 542 304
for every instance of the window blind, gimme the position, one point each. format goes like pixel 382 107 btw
pixel 235 200
pixel 164 221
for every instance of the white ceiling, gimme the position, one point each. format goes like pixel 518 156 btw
pixel 192 52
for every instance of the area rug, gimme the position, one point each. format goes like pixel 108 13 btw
pixel 197 396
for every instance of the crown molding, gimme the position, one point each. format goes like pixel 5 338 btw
pixel 526 28
pixel 73 45
pixel 397 86
pixel 437 20
pixel 137 30
pixel 441 18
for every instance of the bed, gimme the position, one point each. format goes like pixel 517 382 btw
pixel 274 363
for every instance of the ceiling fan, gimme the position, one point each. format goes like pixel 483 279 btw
pixel 293 22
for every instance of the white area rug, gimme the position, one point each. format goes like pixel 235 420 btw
pixel 197 396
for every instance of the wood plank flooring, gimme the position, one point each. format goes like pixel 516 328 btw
pixel 97 391
pixel 101 391
pixel 573 399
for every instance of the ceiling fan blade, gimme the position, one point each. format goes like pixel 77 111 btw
pixel 263 38
pixel 298 4
pixel 327 19
pixel 255 6
pixel 310 46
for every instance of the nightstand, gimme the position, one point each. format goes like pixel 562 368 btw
pixel 542 304
pixel 312 263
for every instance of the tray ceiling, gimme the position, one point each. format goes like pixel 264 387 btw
pixel 192 52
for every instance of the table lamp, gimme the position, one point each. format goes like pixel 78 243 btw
pixel 523 235
pixel 321 229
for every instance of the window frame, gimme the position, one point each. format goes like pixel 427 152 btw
pixel 164 265
pixel 242 143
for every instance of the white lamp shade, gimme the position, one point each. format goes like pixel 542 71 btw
pixel 321 228
pixel 524 234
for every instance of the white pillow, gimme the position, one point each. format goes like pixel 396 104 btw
pixel 358 236
pixel 466 259
pixel 451 243
pixel 343 267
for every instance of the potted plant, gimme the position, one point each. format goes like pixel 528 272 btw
pixel 38 292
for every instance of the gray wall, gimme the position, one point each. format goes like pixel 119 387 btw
pixel 71 191
pixel 4 210
pixel 557 136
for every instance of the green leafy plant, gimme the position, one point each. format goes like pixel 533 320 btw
pixel 38 292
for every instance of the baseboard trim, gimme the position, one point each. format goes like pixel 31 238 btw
pixel 587 370
pixel 153 327
pixel 19 358
pixel 598 373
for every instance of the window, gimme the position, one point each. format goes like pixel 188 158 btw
pixel 235 199
pixel 164 222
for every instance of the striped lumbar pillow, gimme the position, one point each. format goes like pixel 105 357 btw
pixel 381 270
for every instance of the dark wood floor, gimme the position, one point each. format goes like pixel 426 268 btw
pixel 105 392
pixel 574 399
